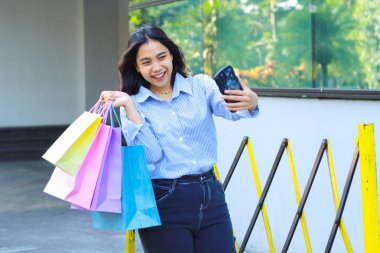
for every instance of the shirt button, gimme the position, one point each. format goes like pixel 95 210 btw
pixel 173 113
pixel 194 162
pixel 180 139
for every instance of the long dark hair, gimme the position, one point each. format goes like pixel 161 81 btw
pixel 131 80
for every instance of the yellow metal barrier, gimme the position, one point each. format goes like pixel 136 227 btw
pixel 367 157
pixel 130 241
pixel 298 197
pixel 334 187
pixel 367 160
pixel 259 192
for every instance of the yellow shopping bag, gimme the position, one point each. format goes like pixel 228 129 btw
pixel 69 150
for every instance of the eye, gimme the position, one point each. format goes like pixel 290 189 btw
pixel 145 63
pixel 161 57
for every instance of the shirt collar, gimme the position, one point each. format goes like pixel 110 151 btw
pixel 180 84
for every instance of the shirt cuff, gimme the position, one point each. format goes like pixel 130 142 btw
pixel 255 112
pixel 249 114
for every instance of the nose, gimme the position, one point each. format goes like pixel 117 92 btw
pixel 156 67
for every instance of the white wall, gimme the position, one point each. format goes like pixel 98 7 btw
pixel 41 62
pixel 306 122
pixel 56 57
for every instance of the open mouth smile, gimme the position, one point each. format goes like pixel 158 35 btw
pixel 159 77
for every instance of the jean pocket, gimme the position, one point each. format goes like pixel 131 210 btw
pixel 163 189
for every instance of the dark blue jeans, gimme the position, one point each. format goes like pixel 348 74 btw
pixel 194 217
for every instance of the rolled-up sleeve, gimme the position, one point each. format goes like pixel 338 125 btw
pixel 141 134
pixel 250 114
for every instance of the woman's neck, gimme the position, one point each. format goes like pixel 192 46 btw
pixel 164 93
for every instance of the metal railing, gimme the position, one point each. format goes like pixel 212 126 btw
pixel 364 153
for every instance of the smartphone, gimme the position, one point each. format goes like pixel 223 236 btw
pixel 227 80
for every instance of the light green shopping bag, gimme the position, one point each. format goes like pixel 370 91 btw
pixel 70 149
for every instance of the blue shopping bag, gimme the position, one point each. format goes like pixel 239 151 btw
pixel 138 204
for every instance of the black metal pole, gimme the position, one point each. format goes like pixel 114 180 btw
pixel 343 201
pixel 314 62
pixel 305 195
pixel 260 204
pixel 235 162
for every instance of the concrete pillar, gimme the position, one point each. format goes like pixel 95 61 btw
pixel 101 47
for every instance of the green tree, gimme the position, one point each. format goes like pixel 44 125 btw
pixel 307 43
pixel 294 48
pixel 237 34
pixel 321 39
pixel 367 15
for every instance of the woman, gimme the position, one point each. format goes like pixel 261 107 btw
pixel 170 114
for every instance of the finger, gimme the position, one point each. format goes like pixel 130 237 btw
pixel 243 84
pixel 235 98
pixel 103 93
pixel 110 98
pixel 236 108
pixel 234 105
pixel 235 92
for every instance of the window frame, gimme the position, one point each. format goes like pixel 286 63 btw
pixel 307 93
pixel 150 4
pixel 319 93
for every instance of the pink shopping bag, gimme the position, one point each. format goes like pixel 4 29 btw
pixel 107 196
pixel 88 173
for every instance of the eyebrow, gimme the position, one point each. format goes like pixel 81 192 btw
pixel 147 58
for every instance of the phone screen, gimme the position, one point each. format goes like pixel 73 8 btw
pixel 232 82
pixel 227 80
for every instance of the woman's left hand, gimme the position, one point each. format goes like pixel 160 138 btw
pixel 245 99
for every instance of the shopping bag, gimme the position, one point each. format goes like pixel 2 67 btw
pixel 139 209
pixel 88 173
pixel 69 150
pixel 60 184
pixel 107 195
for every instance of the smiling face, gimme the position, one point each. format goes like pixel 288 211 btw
pixel 155 64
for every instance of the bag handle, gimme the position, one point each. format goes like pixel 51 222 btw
pixel 97 107
pixel 105 111
pixel 113 115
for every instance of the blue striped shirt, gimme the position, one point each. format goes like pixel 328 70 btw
pixel 179 135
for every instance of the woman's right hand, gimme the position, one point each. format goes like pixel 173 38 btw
pixel 118 98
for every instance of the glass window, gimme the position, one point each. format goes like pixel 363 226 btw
pixel 269 43
pixel 324 44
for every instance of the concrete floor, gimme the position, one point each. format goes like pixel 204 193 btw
pixel 32 221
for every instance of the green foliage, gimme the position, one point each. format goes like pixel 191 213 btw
pixel 367 14
pixel 327 44
pixel 294 49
